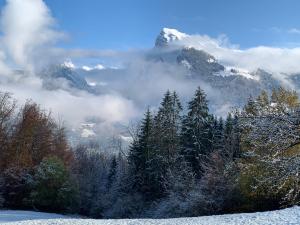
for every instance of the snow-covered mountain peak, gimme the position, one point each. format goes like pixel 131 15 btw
pixel 68 64
pixel 168 35
pixel 173 34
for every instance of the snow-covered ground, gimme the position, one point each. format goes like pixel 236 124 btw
pixel 281 217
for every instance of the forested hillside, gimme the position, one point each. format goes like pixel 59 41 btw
pixel 182 161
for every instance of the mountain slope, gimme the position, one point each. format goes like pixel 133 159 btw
pixel 64 76
pixel 233 85
pixel 143 78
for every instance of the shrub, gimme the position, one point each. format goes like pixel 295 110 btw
pixel 52 188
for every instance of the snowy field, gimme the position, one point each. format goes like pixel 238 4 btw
pixel 281 217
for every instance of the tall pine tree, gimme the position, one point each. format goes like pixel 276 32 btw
pixel 218 135
pixel 140 155
pixel 166 140
pixel 196 136
pixel 167 125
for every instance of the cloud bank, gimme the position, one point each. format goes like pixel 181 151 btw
pixel 272 59
pixel 28 32
pixel 29 42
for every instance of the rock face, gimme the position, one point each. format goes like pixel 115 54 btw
pixel 64 76
pixel 199 62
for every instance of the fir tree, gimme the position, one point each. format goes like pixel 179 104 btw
pixel 263 101
pixel 167 127
pixel 166 142
pixel 140 155
pixel 196 136
pixel 251 107
pixel 112 172
pixel 218 134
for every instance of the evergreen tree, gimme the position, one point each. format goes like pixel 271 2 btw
pixel 231 137
pixel 112 171
pixel 196 136
pixel 167 124
pixel 284 101
pixel 140 153
pixel 218 134
pixel 251 107
pixel 236 143
pixel 263 102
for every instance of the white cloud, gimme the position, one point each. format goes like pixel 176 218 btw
pixel 75 109
pixel 28 42
pixel 97 67
pixel 87 68
pixel 273 59
pixel 294 31
pixel 28 32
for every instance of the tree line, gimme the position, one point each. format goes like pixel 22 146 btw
pixel 181 162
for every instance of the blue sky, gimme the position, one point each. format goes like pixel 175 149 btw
pixel 125 24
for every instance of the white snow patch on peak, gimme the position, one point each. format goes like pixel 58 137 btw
pixel 211 60
pixel 69 64
pixel 231 71
pixel 172 34
pixel 242 72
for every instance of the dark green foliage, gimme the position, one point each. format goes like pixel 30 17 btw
pixel 52 189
